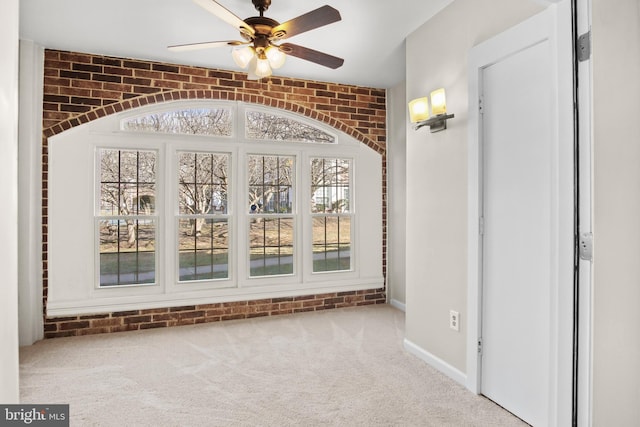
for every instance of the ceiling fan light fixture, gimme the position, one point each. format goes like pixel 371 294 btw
pixel 275 56
pixel 242 56
pixel 259 52
pixel 251 72
pixel 263 69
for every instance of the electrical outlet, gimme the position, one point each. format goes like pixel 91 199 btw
pixel 454 320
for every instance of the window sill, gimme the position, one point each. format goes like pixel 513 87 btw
pixel 211 296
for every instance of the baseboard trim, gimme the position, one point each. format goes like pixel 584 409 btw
pixel 436 362
pixel 399 305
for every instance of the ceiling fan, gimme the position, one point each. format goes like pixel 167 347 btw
pixel 261 50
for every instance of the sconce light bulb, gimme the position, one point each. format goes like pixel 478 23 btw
pixel 419 110
pixel 438 102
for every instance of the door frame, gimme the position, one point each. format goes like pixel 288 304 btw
pixel 543 26
pixel 584 159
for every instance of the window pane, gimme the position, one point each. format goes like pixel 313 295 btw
pixel 271 246
pixel 202 183
pixel 127 251
pixel 331 243
pixel 203 242
pixel 196 121
pixel 203 249
pixel 127 182
pixel 127 245
pixel 330 185
pixel 260 125
pixel 146 167
pixel 271 181
pixel 109 196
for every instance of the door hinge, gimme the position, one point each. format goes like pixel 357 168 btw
pixel 584 47
pixel 481 105
pixel 481 225
pixel 480 346
pixel 585 246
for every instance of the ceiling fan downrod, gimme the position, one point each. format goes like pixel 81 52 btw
pixel 261 5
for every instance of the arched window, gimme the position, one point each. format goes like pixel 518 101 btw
pixel 209 202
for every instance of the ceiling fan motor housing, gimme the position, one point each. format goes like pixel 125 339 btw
pixel 263 27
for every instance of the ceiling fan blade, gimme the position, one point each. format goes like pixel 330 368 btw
pixel 227 16
pixel 316 18
pixel 203 45
pixel 311 55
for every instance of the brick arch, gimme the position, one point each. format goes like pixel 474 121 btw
pixel 176 95
pixel 80 88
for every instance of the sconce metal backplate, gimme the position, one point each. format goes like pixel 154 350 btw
pixel 436 123
pixel 438 126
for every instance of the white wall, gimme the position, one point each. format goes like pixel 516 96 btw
pixel 436 248
pixel 9 196
pixel 396 193
pixel 616 198
pixel 30 190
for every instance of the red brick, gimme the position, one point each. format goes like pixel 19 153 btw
pixel 312 303
pixel 192 314
pixel 166 316
pixel 154 311
pixel 182 308
pixel 234 317
pixel 106 322
pixel 137 319
pixel 65 326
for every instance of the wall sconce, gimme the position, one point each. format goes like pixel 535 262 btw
pixel 419 111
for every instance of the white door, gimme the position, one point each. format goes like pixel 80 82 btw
pixel 517 247
pixel 525 205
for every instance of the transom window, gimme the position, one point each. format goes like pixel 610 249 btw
pixel 259 125
pixel 194 121
pixel 266 126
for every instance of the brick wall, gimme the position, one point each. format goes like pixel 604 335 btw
pixel 82 87
pixel 194 314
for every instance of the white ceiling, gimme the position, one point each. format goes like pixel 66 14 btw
pixel 370 36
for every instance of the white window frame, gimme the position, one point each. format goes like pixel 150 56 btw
pixel 351 214
pixel 228 216
pixel 239 285
pixel 294 215
pixel 99 217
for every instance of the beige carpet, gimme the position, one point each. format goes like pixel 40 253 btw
pixel 342 367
